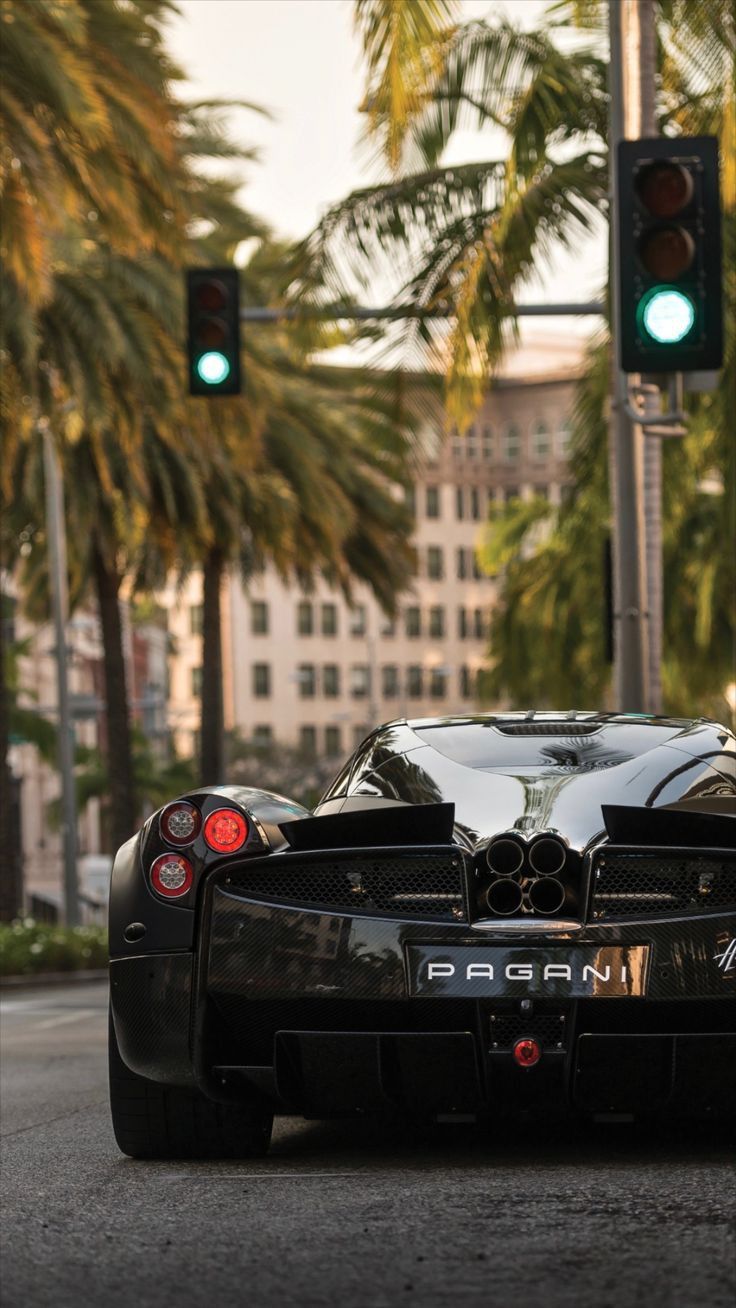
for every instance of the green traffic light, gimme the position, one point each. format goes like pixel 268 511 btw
pixel 667 315
pixel 213 368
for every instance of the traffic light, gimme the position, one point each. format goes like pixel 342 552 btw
pixel 213 331
pixel 669 247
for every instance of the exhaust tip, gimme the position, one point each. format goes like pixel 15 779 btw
pixel 504 897
pixel 547 856
pixel 547 895
pixel 505 856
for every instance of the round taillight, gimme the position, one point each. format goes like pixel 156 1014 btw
pixel 225 830
pixel 527 1052
pixel 171 875
pixel 180 823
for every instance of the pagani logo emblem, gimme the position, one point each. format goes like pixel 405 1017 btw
pixel 726 960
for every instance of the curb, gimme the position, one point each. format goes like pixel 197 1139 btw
pixel 52 979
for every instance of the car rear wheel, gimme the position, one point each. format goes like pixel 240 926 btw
pixel 152 1120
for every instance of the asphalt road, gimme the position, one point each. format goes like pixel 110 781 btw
pixel 339 1213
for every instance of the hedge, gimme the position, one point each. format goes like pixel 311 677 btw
pixel 28 948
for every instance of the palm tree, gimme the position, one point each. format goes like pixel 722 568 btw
pixel 466 238
pixel 469 236
pixel 89 123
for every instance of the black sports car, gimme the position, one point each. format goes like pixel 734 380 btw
pixel 517 915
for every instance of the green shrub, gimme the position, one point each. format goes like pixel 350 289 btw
pixel 28 947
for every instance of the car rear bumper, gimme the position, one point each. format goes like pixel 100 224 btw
pixel 313 1010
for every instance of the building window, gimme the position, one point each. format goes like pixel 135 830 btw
pixel 307 680
pixel 487 444
pixel 333 741
pixel 308 741
pixel 435 562
pixel 433 501
pixel 197 683
pixel 304 618
pixel 511 443
pixel 563 439
pixel 478 573
pixel 462 623
pixel 358 620
pixel 410 499
pixel 540 441
pixel 414 681
pixel 359 734
pixel 360 681
pixel 262 734
pixel 330 681
pixel 479 624
pixel 541 492
pixel 459 503
pixel 329 619
pixel 437 621
pixel 475 504
pixel 390 681
pixel 438 683
pixel 261 680
pixel 471 447
pixel 461 564
pixel 511 493
pixel 196 619
pixel 466 682
pixel 388 627
pixel 259 617
pixel 413 620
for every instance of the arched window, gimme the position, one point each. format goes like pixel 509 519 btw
pixel 511 443
pixel 540 441
pixel 563 439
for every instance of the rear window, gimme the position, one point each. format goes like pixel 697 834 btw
pixel 490 745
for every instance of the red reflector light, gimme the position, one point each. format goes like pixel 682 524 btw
pixel 171 875
pixel 527 1052
pixel 225 830
pixel 180 823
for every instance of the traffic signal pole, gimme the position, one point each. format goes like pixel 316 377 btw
pixel 641 120
pixel 626 439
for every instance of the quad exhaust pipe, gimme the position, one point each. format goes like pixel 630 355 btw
pixel 505 856
pixel 547 895
pixel 504 897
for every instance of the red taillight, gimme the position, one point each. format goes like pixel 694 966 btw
pixel 180 823
pixel 225 830
pixel 171 875
pixel 527 1052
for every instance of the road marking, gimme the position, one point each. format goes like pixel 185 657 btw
pixel 253 1176
pixel 66 1017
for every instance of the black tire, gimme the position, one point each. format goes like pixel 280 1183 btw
pixel 153 1120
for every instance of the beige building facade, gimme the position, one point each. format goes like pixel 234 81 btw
pixel 306 669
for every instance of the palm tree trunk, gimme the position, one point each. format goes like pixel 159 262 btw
pixel 118 749
pixel 11 878
pixel 212 733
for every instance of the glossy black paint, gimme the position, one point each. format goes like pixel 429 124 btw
pixel 315 1007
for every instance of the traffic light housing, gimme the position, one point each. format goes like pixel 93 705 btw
pixel 213 331
pixel 669 248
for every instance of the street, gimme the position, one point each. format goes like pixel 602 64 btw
pixel 339 1212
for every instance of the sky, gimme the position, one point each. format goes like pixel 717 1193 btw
pixel 301 60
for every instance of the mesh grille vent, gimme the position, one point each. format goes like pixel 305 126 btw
pixel 634 885
pixel 412 885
